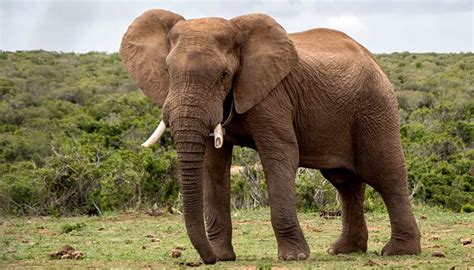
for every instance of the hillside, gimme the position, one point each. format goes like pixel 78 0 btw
pixel 71 126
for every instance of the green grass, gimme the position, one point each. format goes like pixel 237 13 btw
pixel 122 240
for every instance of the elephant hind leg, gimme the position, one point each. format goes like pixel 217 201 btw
pixel 384 170
pixel 354 229
pixel 405 236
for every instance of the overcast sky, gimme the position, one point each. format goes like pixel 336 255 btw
pixel 380 25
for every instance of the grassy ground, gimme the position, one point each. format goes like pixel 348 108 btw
pixel 139 240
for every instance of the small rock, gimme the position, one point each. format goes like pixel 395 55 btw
pixel 77 255
pixel 66 256
pixel 143 247
pixel 150 236
pixel 466 241
pixel 435 246
pixel 434 237
pixel 40 227
pixel 424 217
pixel 101 229
pixel 438 254
pixel 67 252
pixel 154 240
pixel 180 248
pixel 67 248
pixel 175 253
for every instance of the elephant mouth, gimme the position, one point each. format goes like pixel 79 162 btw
pixel 218 133
pixel 229 108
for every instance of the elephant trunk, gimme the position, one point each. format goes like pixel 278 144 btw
pixel 189 136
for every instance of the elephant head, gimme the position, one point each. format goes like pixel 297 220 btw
pixel 189 67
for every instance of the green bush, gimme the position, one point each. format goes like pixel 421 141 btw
pixel 412 100
pixel 67 228
pixel 467 208
pixel 71 126
pixel 313 192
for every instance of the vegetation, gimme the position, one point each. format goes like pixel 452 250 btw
pixel 71 126
pixel 134 240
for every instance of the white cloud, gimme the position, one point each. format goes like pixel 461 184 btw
pixel 380 25
pixel 346 23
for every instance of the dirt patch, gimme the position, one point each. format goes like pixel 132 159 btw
pixel 67 252
pixel 256 222
pixel 307 227
pixel 447 230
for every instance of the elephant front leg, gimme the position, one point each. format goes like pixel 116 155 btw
pixel 217 200
pixel 280 167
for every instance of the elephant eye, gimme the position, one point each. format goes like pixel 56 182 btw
pixel 224 76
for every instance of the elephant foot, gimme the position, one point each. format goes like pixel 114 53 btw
pixel 291 251
pixel 225 256
pixel 224 253
pixel 345 245
pixel 402 247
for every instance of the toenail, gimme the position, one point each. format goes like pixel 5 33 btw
pixel 331 251
pixel 301 256
pixel 290 258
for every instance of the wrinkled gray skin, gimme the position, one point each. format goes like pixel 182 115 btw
pixel 315 99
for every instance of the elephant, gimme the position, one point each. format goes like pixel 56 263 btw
pixel 315 99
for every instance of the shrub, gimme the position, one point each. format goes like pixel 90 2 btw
pixel 467 208
pixel 71 126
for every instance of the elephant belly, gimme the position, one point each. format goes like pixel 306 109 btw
pixel 325 142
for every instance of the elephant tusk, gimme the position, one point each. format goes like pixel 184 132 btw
pixel 218 136
pixel 156 135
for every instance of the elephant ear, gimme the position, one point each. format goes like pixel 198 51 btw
pixel 144 49
pixel 267 56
